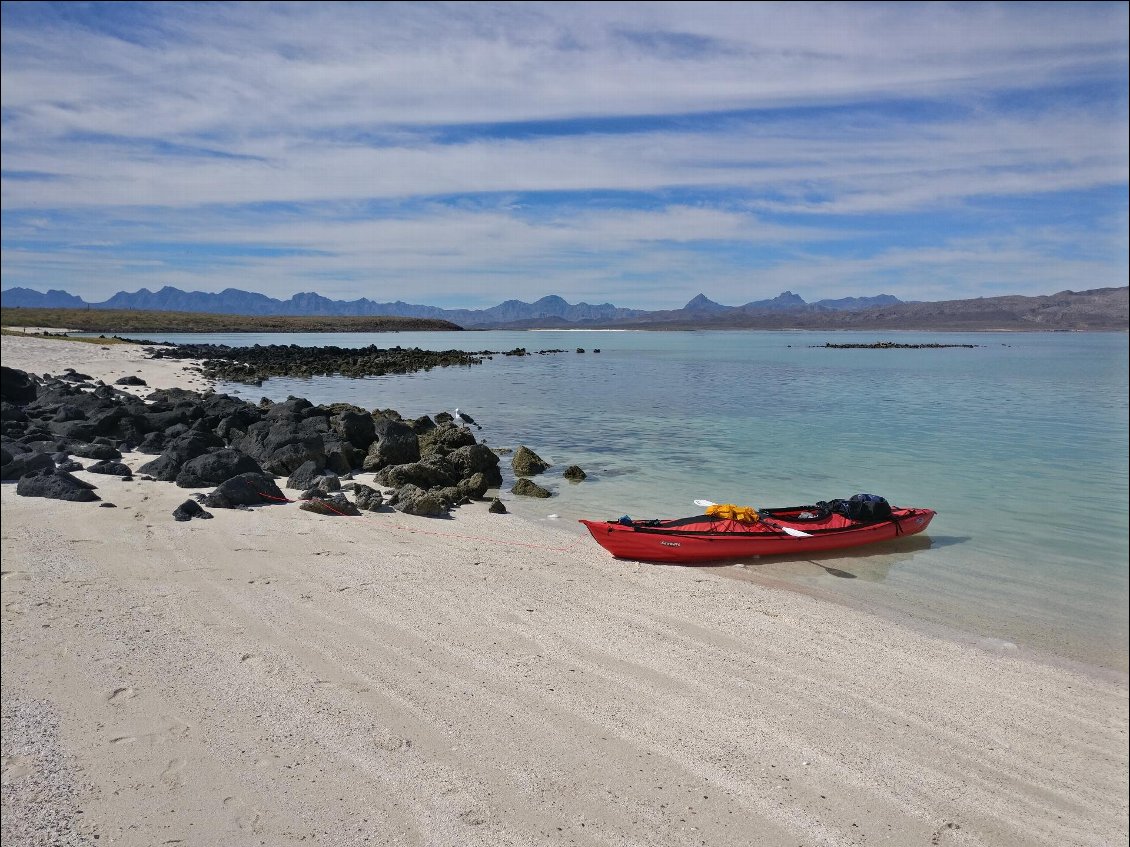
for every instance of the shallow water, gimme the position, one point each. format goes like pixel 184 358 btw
pixel 1019 443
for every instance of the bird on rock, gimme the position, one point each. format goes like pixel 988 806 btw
pixel 463 419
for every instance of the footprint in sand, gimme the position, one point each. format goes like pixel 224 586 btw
pixel 120 695
pixel 246 818
pixel 171 776
pixel 13 768
pixel 172 729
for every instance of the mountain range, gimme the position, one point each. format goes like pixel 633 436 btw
pixel 1096 309
pixel 233 301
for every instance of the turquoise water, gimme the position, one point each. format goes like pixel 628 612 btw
pixel 1020 444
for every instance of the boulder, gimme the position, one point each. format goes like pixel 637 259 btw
pixel 497 507
pixel 335 506
pixel 177 454
pixel 445 439
pixel 130 380
pixel 188 510
pixel 77 430
pixel 248 489
pixel 152 443
pixel 68 412
pixel 430 473
pixel 396 444
pixel 341 455
pixel 17 386
pixel 528 488
pixel 214 468
pixel 473 459
pixel 413 500
pixel 280 445
pixel 324 486
pixel 56 485
pixel 88 450
pixel 574 473
pixel 110 468
pixel 367 498
pixel 475 486
pixel 11 413
pixel 527 463
pixel 21 464
pixel 306 476
pixel 356 427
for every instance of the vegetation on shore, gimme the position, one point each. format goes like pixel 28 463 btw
pixel 127 321
pixel 59 336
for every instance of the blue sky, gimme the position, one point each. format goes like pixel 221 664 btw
pixel 460 154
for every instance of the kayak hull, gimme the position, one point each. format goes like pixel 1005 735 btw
pixel 703 539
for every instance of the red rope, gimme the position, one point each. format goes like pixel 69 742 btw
pixel 323 502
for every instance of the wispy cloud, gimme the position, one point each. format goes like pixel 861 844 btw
pixel 635 152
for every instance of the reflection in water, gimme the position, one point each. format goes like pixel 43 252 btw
pixel 870 564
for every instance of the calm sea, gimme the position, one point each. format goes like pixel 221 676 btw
pixel 1020 444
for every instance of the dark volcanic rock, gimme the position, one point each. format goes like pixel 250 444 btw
pixel 56 485
pixel 527 463
pixel 528 488
pixel 22 464
pixel 574 472
pixel 248 489
pixel 281 446
pixel 188 510
pixel 413 500
pixel 177 453
pixel 333 506
pixel 11 413
pixel 16 386
pixel 367 498
pixel 110 468
pixel 497 507
pixel 341 456
pixel 430 473
pixel 475 486
pixel 397 444
pixel 130 380
pixel 68 412
pixel 214 468
pixel 356 428
pixel 254 364
pixel 444 439
pixel 473 459
pixel 87 450
pixel 322 486
pixel 306 476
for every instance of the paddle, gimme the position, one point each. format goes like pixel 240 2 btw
pixel 788 530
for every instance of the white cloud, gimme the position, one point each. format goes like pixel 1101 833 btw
pixel 741 125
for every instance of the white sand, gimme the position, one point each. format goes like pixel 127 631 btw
pixel 274 677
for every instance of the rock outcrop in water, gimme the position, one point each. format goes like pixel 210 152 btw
pixel 254 364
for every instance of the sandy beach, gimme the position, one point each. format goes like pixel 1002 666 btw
pixel 275 677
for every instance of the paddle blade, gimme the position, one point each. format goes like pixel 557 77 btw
pixel 795 533
pixel 704 503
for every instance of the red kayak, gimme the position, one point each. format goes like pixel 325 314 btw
pixel 794 530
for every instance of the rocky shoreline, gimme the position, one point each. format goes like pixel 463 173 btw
pixel 425 466
pixel 251 365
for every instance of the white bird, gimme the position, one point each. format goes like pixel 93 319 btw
pixel 463 419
